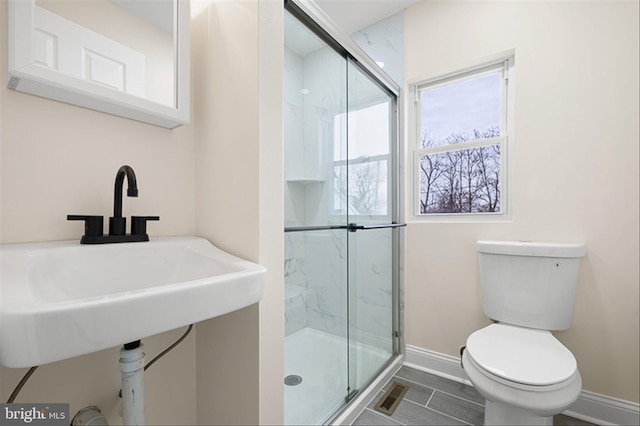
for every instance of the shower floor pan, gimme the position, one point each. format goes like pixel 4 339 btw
pixel 320 359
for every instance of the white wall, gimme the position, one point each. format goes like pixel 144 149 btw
pixel 575 162
pixel 225 62
pixel 220 178
pixel 271 208
pixel 57 159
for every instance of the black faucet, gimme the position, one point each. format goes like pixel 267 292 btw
pixel 93 225
pixel 117 223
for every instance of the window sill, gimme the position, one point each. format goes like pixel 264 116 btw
pixel 461 218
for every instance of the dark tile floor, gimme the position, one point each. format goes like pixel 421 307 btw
pixel 433 400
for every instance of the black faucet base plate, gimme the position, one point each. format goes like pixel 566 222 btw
pixel 108 239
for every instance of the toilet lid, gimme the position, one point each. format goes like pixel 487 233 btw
pixel 521 355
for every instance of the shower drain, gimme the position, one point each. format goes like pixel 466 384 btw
pixel 292 380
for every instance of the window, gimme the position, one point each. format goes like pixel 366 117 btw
pixel 461 142
pixel 361 161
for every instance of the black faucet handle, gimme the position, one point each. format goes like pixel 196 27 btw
pixel 139 224
pixel 93 225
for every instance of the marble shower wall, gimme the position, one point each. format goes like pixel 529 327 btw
pixel 314 82
pixel 384 42
pixel 370 288
pixel 327 281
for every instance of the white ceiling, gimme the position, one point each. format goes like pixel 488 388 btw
pixel 354 15
pixel 349 15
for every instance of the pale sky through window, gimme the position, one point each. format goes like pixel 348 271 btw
pixel 462 106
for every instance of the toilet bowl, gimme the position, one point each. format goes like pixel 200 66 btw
pixel 525 375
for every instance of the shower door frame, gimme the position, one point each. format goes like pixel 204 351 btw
pixel 319 23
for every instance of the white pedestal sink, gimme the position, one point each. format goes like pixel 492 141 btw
pixel 62 299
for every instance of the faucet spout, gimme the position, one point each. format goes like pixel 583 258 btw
pixel 132 188
pixel 117 223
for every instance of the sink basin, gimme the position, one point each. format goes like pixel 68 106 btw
pixel 63 299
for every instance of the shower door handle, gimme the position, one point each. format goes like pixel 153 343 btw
pixel 313 228
pixel 353 227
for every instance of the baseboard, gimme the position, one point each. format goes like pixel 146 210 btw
pixel 436 363
pixel 604 410
pixel 590 406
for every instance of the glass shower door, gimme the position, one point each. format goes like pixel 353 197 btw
pixel 371 155
pixel 316 344
pixel 340 204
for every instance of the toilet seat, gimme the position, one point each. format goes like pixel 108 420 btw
pixel 542 401
pixel 521 355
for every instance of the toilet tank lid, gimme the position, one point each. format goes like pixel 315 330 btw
pixel 532 248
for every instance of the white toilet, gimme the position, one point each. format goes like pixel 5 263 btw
pixel 525 374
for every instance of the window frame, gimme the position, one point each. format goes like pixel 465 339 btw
pixel 506 63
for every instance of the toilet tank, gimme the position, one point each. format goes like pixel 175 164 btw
pixel 530 284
